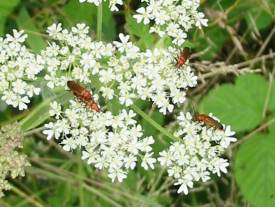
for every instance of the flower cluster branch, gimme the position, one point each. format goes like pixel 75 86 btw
pixel 172 18
pixel 107 142
pixel 124 71
pixel 18 70
pixel 197 154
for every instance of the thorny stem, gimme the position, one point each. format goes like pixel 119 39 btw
pixel 99 22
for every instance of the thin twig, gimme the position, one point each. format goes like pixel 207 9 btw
pixel 269 37
pixel 267 98
pixel 245 138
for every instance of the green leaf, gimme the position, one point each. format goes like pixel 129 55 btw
pixel 149 201
pixel 108 23
pixel 262 19
pixel 41 112
pixel 254 169
pixel 25 22
pixel 240 105
pixel 256 13
pixel 140 32
pixel 271 105
pixel 237 13
pixel 216 38
pixel 86 13
pixel 6 7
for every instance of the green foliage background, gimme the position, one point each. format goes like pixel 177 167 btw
pixel 240 33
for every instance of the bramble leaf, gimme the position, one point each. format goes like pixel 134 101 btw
pixel 254 169
pixel 240 105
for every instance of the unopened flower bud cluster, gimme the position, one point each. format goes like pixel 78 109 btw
pixel 107 141
pixel 148 75
pixel 12 163
pixel 18 68
pixel 197 154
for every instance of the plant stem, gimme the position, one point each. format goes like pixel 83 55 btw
pixel 99 22
pixel 267 98
pixel 33 131
pixel 27 198
pixel 153 123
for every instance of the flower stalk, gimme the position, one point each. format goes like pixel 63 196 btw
pixel 99 22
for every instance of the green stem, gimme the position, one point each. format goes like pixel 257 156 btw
pixel 81 174
pixel 27 198
pixel 58 175
pixel 33 131
pixel 153 123
pixel 99 22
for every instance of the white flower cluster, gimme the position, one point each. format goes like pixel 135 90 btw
pixel 120 65
pixel 107 141
pixel 148 75
pixel 172 17
pixel 197 154
pixel 74 56
pixel 112 3
pixel 18 68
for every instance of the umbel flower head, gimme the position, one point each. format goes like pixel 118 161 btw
pixel 172 17
pixel 112 3
pixel 197 154
pixel 18 68
pixel 12 163
pixel 124 71
pixel 107 142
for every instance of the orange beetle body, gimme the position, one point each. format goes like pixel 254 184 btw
pixel 93 105
pixel 208 121
pixel 183 57
pixel 83 95
pixel 79 91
